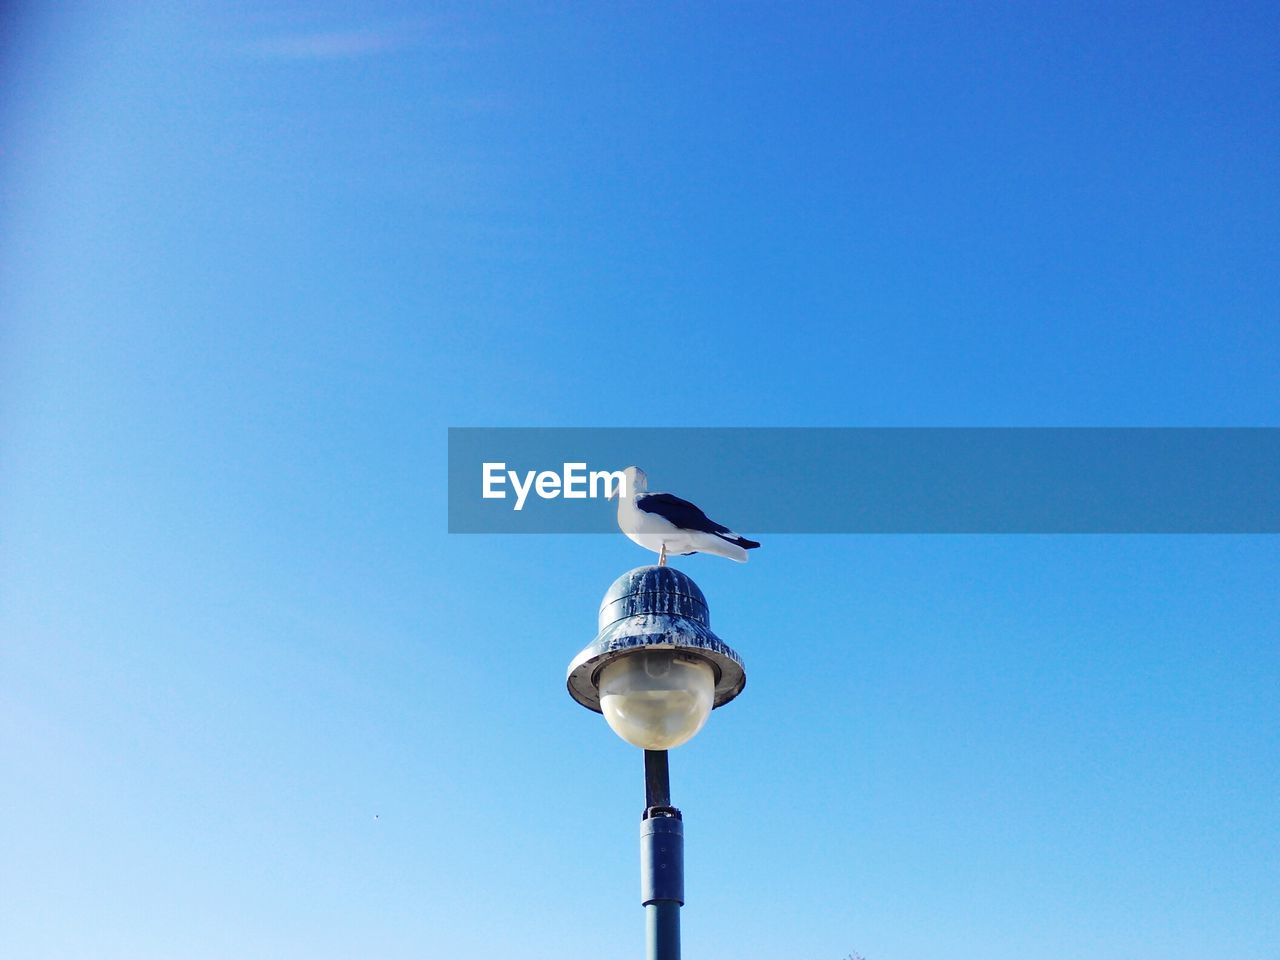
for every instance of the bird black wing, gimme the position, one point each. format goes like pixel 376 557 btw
pixel 682 513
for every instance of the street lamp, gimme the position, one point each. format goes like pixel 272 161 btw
pixel 656 671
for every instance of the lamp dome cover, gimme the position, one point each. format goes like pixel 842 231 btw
pixel 657 698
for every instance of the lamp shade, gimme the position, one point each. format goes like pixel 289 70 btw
pixel 655 669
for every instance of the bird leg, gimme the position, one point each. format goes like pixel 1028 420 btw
pixel 662 556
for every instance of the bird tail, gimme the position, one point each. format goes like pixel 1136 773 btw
pixel 729 545
pixel 722 547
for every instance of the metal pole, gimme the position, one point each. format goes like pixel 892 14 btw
pixel 662 930
pixel 657 779
pixel 661 861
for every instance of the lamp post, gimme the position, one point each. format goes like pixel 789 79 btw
pixel 656 671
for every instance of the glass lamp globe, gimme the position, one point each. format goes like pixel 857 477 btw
pixel 657 699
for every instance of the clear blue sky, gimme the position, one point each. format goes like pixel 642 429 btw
pixel 255 703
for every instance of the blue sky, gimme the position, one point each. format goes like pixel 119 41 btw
pixel 256 261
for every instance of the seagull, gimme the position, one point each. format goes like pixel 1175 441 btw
pixel 664 523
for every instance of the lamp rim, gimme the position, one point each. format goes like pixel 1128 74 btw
pixel 696 640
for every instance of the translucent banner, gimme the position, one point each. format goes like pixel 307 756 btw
pixel 875 480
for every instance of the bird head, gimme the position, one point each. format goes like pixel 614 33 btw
pixel 636 482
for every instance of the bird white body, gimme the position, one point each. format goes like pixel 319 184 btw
pixel 654 532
